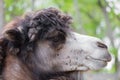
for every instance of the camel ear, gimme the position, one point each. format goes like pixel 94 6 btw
pixel 13 35
pixel 14 31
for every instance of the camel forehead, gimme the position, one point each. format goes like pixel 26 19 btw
pixel 77 42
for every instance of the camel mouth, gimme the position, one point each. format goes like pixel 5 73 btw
pixel 99 59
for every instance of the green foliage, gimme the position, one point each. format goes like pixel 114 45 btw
pixel 114 51
pixel 15 8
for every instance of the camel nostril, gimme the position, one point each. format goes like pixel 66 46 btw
pixel 101 45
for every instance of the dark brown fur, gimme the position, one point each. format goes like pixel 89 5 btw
pixel 19 39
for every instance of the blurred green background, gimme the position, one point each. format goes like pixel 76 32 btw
pixel 100 18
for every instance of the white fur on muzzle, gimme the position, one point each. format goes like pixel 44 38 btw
pixel 81 52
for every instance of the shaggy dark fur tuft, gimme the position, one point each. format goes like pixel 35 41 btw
pixel 20 37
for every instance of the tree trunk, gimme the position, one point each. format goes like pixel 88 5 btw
pixel 109 33
pixel 32 5
pixel 1 14
pixel 78 17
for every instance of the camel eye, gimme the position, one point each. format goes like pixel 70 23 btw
pixel 56 39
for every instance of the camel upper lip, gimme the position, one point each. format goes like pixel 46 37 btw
pixel 100 59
